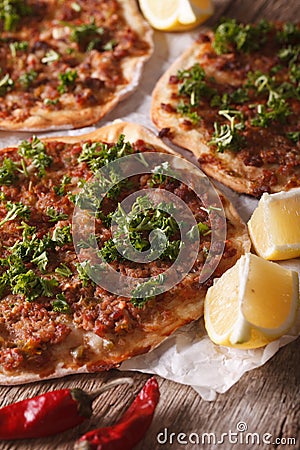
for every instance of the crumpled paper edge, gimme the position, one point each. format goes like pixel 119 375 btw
pixel 189 357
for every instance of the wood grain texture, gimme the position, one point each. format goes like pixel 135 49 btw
pixel 266 399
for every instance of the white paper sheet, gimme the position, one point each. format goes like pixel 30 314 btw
pixel 188 356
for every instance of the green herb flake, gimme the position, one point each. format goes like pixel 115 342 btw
pixel 88 36
pixel 67 80
pixel 63 270
pixel 147 291
pixel 62 236
pixel 15 210
pixel 11 12
pixel 193 84
pixel 27 78
pixel 227 136
pixel 8 172
pixel 294 136
pixel 201 229
pixel 60 190
pixel 60 304
pixel 55 216
pixel 35 150
pixel 230 36
pixel 6 84
pixel 18 46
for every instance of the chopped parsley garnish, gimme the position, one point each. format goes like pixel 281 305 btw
pixel 136 226
pixel 62 236
pixel 294 136
pixel 147 291
pixel 60 304
pixel 110 45
pixel 63 270
pixel 160 173
pixel 33 286
pixel 277 109
pixel 55 216
pixel 15 210
pixel 98 154
pixel 51 101
pixel 27 78
pixel 18 278
pixel 238 96
pixel 201 229
pixel 82 270
pixel 289 53
pixel 17 46
pixel 66 80
pixel 193 85
pixel 186 110
pixel 8 171
pixel 109 251
pixel 227 136
pixel 6 84
pixel 290 34
pixel 229 36
pixel 60 190
pixel 35 150
pixel 11 11
pixel 88 36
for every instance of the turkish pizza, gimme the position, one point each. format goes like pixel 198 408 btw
pixel 65 64
pixel 55 319
pixel 233 99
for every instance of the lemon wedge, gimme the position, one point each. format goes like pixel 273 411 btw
pixel 176 15
pixel 252 304
pixel 274 226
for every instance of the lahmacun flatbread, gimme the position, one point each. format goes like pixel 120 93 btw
pixel 66 64
pixel 54 319
pixel 233 100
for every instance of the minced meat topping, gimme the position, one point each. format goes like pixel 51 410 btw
pixel 62 55
pixel 251 107
pixel 45 291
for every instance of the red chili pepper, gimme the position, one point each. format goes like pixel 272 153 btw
pixel 49 413
pixel 130 429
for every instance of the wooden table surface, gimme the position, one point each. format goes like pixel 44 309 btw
pixel 265 400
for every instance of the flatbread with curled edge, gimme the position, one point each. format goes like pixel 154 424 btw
pixel 54 320
pixel 237 110
pixel 67 64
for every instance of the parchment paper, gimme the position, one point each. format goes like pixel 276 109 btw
pixel 188 356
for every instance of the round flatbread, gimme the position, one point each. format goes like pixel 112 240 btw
pixel 232 99
pixel 67 64
pixel 56 316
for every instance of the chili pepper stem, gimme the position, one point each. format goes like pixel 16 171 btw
pixel 109 385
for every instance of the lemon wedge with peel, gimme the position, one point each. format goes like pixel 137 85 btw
pixel 176 15
pixel 274 226
pixel 252 304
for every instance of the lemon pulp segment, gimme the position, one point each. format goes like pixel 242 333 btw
pixel 274 226
pixel 252 304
